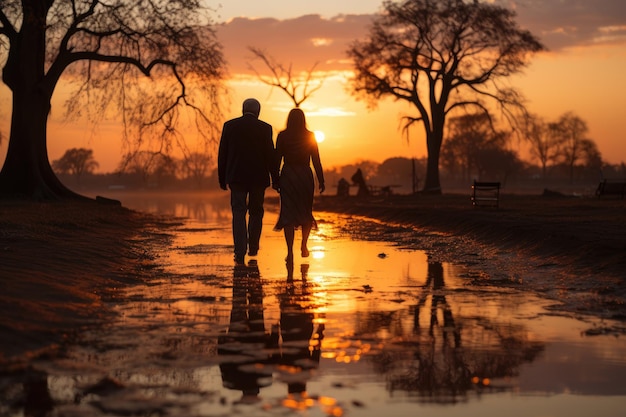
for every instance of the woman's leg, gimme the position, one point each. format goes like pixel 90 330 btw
pixel 289 237
pixel 306 231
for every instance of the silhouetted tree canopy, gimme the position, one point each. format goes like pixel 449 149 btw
pixel 154 63
pixel 475 151
pixel 441 56
pixel 545 146
pixel 150 166
pixel 571 132
pixel 76 162
pixel 563 143
pixel 196 166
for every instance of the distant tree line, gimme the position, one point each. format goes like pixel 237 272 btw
pixel 561 156
pixel 140 170
pixel 562 148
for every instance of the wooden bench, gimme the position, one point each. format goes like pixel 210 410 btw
pixel 611 187
pixel 486 193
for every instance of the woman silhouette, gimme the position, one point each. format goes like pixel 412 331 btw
pixel 296 148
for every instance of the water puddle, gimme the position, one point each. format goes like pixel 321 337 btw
pixel 358 328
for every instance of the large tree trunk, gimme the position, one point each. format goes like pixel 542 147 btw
pixel 432 184
pixel 27 171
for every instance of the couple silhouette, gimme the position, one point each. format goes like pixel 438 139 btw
pixel 248 163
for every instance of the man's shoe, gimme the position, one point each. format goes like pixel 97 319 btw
pixel 239 260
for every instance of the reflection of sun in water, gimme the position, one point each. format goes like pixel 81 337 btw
pixel 317 252
pixel 319 136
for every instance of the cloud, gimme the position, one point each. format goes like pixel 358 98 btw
pixel 562 24
pixel 303 41
pixel 312 39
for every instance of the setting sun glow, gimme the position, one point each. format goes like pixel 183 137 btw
pixel 319 136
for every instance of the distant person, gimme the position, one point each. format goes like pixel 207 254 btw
pixel 343 188
pixel 245 165
pixel 359 180
pixel 296 148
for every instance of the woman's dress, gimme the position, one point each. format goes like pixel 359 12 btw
pixel 297 185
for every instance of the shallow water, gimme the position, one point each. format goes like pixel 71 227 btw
pixel 359 328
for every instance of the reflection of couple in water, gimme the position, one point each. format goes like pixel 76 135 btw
pixel 246 339
pixel 250 354
pixel 301 343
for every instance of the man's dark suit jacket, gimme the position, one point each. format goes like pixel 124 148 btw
pixel 246 153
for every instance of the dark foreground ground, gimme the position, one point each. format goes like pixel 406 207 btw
pixel 58 262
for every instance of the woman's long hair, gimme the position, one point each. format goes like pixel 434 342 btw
pixel 296 121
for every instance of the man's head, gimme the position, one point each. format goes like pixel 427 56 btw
pixel 252 106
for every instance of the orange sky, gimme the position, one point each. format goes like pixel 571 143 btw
pixel 582 73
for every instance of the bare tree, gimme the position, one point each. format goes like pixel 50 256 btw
pixel 150 61
pixel 591 155
pixel 196 166
pixel 473 148
pixel 298 88
pixel 572 133
pixel 76 162
pixel 151 167
pixel 441 56
pixel 545 144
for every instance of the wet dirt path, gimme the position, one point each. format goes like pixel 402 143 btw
pixel 361 327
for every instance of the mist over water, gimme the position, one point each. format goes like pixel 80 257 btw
pixel 358 328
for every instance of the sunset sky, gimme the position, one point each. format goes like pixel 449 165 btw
pixel 583 72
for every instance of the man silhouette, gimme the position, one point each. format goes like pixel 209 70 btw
pixel 245 165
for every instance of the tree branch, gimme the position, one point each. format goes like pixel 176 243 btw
pixel 283 77
pixel 7 27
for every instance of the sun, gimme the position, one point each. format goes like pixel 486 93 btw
pixel 319 136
